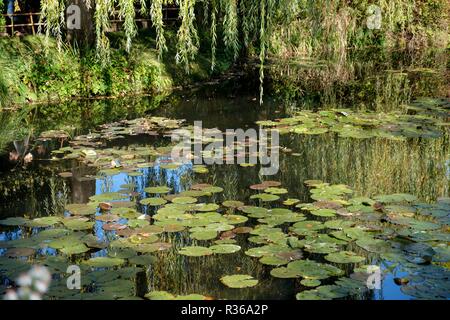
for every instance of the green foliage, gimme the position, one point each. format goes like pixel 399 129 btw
pixel 34 72
pixel 2 19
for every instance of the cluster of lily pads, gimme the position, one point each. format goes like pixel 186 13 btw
pixel 311 242
pixel 426 118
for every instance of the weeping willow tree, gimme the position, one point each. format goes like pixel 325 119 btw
pixel 235 24
pixel 257 27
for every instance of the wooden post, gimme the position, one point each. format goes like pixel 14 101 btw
pixel 32 23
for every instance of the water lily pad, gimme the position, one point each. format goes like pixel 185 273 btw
pixel 255 212
pixel 44 221
pixel 310 282
pixel 291 201
pixel 225 248
pixel 314 270
pixel 104 262
pixel 212 189
pixel 184 200
pixel 75 249
pixel 14 221
pixel 306 227
pixel 153 201
pixel 269 249
pixel 204 235
pixel 274 190
pixel 284 273
pixel 265 197
pixel 158 190
pixel 373 245
pixel 206 207
pixel 273 261
pixel 19 252
pixel 81 209
pixel 239 281
pixel 323 212
pixel 235 219
pixel 232 204
pixel 195 251
pixel 78 224
pixel 344 257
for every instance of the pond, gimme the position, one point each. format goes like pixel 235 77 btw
pixel 362 190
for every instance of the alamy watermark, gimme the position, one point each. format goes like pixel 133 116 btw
pixel 73 20
pixel 212 146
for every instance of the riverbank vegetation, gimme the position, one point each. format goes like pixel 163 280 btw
pixel 207 37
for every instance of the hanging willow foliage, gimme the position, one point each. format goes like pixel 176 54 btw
pixel 213 34
pixel 156 14
pixel 240 22
pixel 101 17
pixel 127 13
pixel 188 41
pixel 230 26
pixel 52 19
pixel 262 49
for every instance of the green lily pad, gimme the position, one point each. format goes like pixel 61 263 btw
pixel 314 270
pixel 239 281
pixel 323 212
pixel 158 190
pixel 81 209
pixel 344 257
pixel 274 190
pixel 43 222
pixel 284 273
pixel 310 282
pixel 273 261
pixel 206 207
pixel 204 235
pixel 232 204
pixel 14 221
pixel 153 201
pixel 265 197
pixel 78 224
pixel 104 262
pixel 225 248
pixel 195 251
pixel 184 200
pixel 75 249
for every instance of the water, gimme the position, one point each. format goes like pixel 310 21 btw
pixel 375 166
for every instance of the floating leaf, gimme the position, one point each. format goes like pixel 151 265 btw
pixel 158 190
pixel 225 248
pixel 344 257
pixel 195 251
pixel 239 281
pixel 153 201
pixel 104 262
pixel 265 197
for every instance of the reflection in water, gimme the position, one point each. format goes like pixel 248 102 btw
pixel 370 166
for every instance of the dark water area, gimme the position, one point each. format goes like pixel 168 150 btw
pixel 375 166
